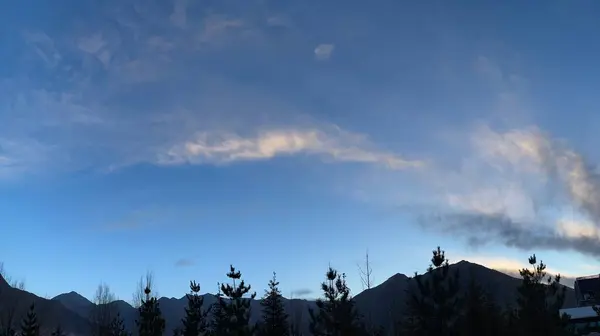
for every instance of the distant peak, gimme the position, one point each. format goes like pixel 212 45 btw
pixel 397 276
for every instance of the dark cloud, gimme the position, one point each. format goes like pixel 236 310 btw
pixel 184 262
pixel 302 292
pixel 481 229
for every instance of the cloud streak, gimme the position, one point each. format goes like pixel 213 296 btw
pixel 222 148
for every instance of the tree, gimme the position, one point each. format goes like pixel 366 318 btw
pixel 139 295
pixel 540 298
pixel 237 308
pixel 30 325
pixel 366 272
pixel 336 314
pixel 219 322
pixel 102 312
pixel 274 318
pixel 150 322
pixel 366 278
pixel 117 326
pixel 433 309
pixel 480 316
pixel 195 322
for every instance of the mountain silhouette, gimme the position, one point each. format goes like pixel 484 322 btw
pixel 380 304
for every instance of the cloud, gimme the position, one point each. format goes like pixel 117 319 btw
pixel 512 267
pixel 324 51
pixel 44 47
pixel 91 44
pixel 220 148
pixel 302 292
pixel 543 195
pixel 184 262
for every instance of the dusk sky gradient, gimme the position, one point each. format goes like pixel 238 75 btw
pixel 183 136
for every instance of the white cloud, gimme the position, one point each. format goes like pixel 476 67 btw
pixel 44 47
pixel 324 51
pixel 216 26
pixel 91 44
pixel 211 147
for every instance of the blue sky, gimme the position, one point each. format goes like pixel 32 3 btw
pixel 182 136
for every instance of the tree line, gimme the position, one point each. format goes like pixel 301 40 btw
pixel 435 305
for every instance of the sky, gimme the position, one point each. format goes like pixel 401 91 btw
pixel 180 137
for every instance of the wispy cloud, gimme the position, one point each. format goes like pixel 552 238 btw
pixel 44 47
pixel 302 292
pixel 537 193
pixel 184 262
pixel 211 147
pixel 324 51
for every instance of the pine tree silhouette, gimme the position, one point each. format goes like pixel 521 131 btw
pixel 117 326
pixel 219 320
pixel 237 308
pixel 150 322
pixel 480 316
pixel 195 321
pixel 336 314
pixel 540 298
pixel 30 325
pixel 274 318
pixel 434 308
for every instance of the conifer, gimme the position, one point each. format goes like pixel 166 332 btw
pixel 480 316
pixel 540 298
pixel 30 325
pixel 117 326
pixel 274 318
pixel 150 322
pixel 336 315
pixel 237 308
pixel 194 323
pixel 219 319
pixel 434 308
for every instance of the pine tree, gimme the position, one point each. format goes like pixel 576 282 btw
pixel 219 319
pixel 30 325
pixel 336 315
pixel 117 326
pixel 274 318
pixel 434 309
pixel 480 316
pixel 194 323
pixel 237 308
pixel 150 322
pixel 539 301
pixel 58 331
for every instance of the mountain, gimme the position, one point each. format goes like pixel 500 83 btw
pixel 14 304
pixel 76 303
pixel 380 304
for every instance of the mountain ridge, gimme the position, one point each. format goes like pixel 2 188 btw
pixel 380 302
